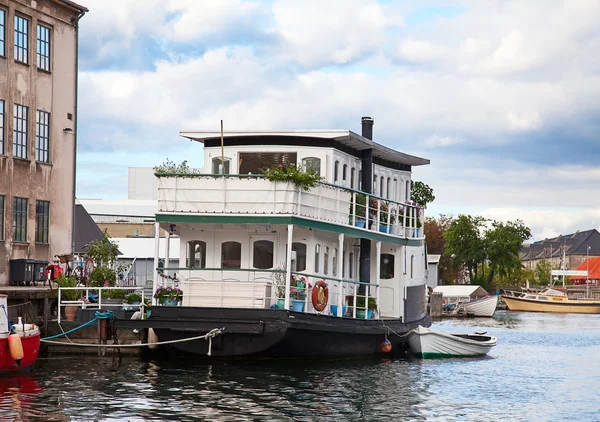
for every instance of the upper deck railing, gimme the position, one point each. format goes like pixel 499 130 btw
pixel 210 194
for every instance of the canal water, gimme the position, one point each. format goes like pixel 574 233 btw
pixel 545 368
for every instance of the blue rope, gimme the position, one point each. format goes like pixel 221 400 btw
pixel 87 324
pixel 105 315
pixel 12 327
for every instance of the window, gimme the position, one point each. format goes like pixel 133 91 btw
pixel 317 256
pixel 42 221
pixel 386 266
pixel 300 249
pixel 344 264
pixel 43 48
pixel 381 192
pixel 231 255
pixel 375 184
pixel 344 173
pixel 352 174
pixel 217 167
pixel 389 188
pixel 42 137
pixel 253 162
pixel 395 194
pixel 336 171
pixel 312 163
pixel 351 265
pixel 542 298
pixel 412 262
pixel 2 32
pixel 20 131
pixel 334 263
pixel 262 254
pixel 1 126
pixel 407 192
pixel 326 261
pixel 1 217
pixel 19 232
pixel 196 254
pixel 359 179
pixel 21 39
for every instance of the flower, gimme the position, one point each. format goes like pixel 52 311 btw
pixel 298 287
pixel 169 293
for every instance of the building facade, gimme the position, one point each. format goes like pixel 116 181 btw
pixel 38 142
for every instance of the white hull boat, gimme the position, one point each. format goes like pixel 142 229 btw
pixel 427 343
pixel 484 307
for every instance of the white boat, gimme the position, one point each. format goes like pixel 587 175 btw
pixel 428 343
pixel 470 299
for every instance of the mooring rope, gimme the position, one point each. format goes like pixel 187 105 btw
pixel 399 335
pixel 99 315
pixel 208 336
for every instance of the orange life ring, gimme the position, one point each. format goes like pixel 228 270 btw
pixel 320 295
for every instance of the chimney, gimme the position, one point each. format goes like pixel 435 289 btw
pixel 367 127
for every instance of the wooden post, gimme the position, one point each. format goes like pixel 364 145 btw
pixel 435 305
pixel 46 315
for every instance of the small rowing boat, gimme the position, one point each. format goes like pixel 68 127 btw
pixel 427 343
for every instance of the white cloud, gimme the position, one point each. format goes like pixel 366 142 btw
pixel 420 51
pixel 523 121
pixel 442 141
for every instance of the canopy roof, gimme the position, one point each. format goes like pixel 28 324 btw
pixel 344 137
pixel 462 290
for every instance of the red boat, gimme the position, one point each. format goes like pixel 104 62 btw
pixel 19 344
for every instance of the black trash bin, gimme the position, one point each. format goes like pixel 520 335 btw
pixel 22 271
pixel 39 271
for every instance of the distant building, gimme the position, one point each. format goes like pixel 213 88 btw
pixel 433 270
pixel 38 128
pixel 123 218
pixel 575 248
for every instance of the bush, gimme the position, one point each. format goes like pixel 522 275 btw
pixel 133 298
pixel 306 179
pixel 100 275
pixel 63 281
pixel 113 294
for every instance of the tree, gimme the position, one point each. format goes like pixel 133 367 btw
pixel 502 244
pixel 543 272
pixel 421 194
pixel 436 244
pixel 465 243
pixel 102 251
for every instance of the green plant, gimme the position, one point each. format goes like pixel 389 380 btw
pixel 102 251
pixel 360 302
pixel 361 205
pixel 383 213
pixel 63 281
pixel 298 287
pixel 102 277
pixel 113 294
pixel 169 166
pixel 133 298
pixel 168 293
pixel 304 178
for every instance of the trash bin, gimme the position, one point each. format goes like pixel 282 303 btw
pixel 39 271
pixel 22 271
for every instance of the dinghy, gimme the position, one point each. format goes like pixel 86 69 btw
pixel 427 343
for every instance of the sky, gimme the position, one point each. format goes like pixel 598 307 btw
pixel 502 96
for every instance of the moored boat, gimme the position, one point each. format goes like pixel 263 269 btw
pixel 19 344
pixel 333 269
pixel 470 299
pixel 427 343
pixel 549 300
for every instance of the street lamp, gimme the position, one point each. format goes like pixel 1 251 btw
pixel 587 260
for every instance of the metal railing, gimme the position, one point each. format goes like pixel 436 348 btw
pixel 86 303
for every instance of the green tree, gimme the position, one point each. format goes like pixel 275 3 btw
pixel 421 194
pixel 502 244
pixel 543 272
pixel 102 251
pixel 436 244
pixel 465 243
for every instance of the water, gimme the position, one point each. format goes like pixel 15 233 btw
pixel 545 368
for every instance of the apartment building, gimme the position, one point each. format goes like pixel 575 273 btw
pixel 38 128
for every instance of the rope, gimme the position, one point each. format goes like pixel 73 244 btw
pixel 399 335
pixel 18 304
pixel 105 315
pixel 87 324
pixel 210 335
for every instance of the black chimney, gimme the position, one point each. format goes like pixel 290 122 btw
pixel 367 127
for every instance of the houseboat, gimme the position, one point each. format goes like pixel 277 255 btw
pixel 335 270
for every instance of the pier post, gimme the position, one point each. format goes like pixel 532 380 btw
pixel 435 305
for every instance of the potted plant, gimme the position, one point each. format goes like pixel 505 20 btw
pixel 304 178
pixel 359 206
pixel 69 295
pixel 360 306
pixel 384 210
pixel 298 292
pixel 168 296
pixel 132 301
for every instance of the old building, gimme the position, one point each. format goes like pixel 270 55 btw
pixel 38 133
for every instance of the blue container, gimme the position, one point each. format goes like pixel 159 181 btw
pixel 360 314
pixel 334 310
pixel 361 223
pixel 297 305
pixel 167 302
pixel 384 228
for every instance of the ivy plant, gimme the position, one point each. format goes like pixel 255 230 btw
pixel 304 178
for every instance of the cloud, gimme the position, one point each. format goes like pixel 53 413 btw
pixel 442 141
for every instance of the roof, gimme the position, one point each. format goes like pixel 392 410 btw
pixel 463 290
pixel 86 230
pixel 73 5
pixel 433 259
pixel 143 247
pixel 572 244
pixel 128 207
pixel 344 137
pixel 592 266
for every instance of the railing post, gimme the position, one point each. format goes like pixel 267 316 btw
pixel 353 209
pixel 59 303
pixel 367 211
pixel 339 269
pixel 288 265
pixel 354 304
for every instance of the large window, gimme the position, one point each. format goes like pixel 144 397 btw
pixel 317 257
pixel 231 255
pixel 196 254
pixel 262 257
pixel 1 126
pixel 217 165
pixel 1 217
pixel 2 32
pixel 42 137
pixel 43 48
pixel 312 163
pixel 42 221
pixel 386 266
pixel 20 131
pixel 21 39
pixel 19 226
pixel 253 162
pixel 300 249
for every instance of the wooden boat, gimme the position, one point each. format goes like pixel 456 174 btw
pixel 20 352
pixel 549 300
pixel 275 264
pixel 427 343
pixel 470 299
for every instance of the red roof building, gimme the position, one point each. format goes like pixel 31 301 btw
pixel 592 266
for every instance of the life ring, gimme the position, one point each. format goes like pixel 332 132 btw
pixel 320 295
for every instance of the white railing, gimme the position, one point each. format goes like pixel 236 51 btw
pixel 247 195
pixel 84 301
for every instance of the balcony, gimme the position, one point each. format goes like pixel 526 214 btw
pixel 243 195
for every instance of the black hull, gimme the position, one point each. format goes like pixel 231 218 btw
pixel 273 333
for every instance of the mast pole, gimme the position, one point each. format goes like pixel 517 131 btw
pixel 222 150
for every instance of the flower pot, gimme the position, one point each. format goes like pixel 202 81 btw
pixel 334 310
pixel 360 222
pixel 360 314
pixel 71 312
pixel 131 306
pixel 281 303
pixel 148 314
pixel 172 302
pixel 384 228
pixel 297 305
